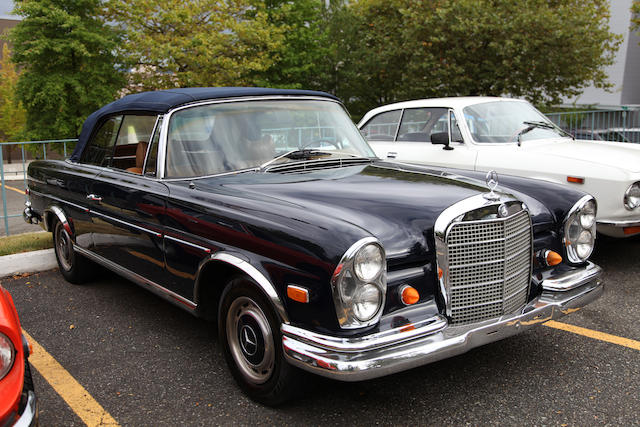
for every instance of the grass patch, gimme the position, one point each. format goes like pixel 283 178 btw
pixel 25 243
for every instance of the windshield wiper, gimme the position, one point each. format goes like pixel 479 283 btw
pixel 531 125
pixel 296 154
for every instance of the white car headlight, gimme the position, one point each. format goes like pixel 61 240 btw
pixel 580 230
pixel 7 355
pixel 632 196
pixel 359 284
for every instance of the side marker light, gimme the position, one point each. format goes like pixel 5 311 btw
pixel 298 294
pixel 575 180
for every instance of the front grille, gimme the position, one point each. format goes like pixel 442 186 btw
pixel 489 265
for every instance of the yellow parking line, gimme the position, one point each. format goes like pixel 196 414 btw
pixel 13 188
pixel 78 399
pixel 601 336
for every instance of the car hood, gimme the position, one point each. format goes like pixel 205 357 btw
pixel 395 204
pixel 611 154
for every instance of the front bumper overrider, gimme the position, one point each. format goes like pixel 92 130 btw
pixel 432 339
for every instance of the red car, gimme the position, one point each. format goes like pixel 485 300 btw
pixel 18 405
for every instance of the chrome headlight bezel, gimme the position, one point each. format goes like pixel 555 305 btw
pixel 627 199
pixel 349 288
pixel 7 350
pixel 579 238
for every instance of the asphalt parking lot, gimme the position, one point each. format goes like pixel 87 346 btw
pixel 146 362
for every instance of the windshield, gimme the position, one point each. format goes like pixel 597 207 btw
pixel 502 121
pixel 233 136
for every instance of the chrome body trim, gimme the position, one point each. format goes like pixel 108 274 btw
pixel 140 280
pixel 128 224
pixel 572 279
pixel 620 224
pixel 377 355
pixel 29 416
pixel 184 242
pixel 264 283
pixel 164 130
pixel 62 217
pixel 346 319
pixel 82 208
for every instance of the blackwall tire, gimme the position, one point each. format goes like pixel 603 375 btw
pixel 249 333
pixel 74 267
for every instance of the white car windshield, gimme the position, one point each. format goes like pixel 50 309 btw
pixel 234 136
pixel 506 121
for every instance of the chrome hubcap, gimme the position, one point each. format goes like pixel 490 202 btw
pixel 250 340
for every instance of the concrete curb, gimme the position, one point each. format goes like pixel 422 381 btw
pixel 27 262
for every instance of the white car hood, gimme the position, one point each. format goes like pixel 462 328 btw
pixel 624 156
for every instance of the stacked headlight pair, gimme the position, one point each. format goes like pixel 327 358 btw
pixel 359 284
pixel 632 196
pixel 580 230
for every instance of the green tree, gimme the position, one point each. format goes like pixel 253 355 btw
pixel 12 113
pixel 66 53
pixel 304 57
pixel 194 43
pixel 635 19
pixel 542 50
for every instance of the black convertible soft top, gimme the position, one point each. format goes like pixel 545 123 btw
pixel 162 101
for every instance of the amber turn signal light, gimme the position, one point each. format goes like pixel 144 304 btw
pixel 575 180
pixel 409 295
pixel 298 294
pixel 552 258
pixel 440 273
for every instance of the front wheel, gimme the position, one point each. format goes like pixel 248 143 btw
pixel 74 267
pixel 249 331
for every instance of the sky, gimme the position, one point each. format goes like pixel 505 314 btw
pixel 5 7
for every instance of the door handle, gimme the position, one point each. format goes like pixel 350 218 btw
pixel 94 197
pixel 391 155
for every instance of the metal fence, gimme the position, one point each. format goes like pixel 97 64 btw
pixel 20 173
pixel 622 125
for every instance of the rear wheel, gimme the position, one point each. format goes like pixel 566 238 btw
pixel 249 331
pixel 74 267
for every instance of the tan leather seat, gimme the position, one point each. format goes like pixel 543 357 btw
pixel 141 152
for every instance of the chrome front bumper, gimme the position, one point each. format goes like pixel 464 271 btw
pixel 29 416
pixel 432 339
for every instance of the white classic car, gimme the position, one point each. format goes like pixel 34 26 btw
pixel 510 136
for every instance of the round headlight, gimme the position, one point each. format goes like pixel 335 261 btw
pixel 368 262
pixel 584 245
pixel 366 302
pixel 7 354
pixel 588 214
pixel 632 196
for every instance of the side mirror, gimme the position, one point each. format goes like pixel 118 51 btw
pixel 441 138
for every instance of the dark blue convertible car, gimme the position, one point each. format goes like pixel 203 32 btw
pixel 267 211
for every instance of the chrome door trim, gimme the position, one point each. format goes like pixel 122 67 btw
pixel 184 242
pixel 138 279
pixel 128 224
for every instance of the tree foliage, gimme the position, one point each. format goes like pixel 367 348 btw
pixel 635 18
pixel 542 50
pixel 12 113
pixel 303 59
pixel 194 43
pixel 66 53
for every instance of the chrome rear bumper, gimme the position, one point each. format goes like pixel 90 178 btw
pixel 433 339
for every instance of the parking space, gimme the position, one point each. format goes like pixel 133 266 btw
pixel 147 362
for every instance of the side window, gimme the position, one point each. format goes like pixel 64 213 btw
pixel 382 127
pixel 418 124
pixel 152 157
pixel 456 135
pixel 132 143
pixel 99 150
pixel 415 123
